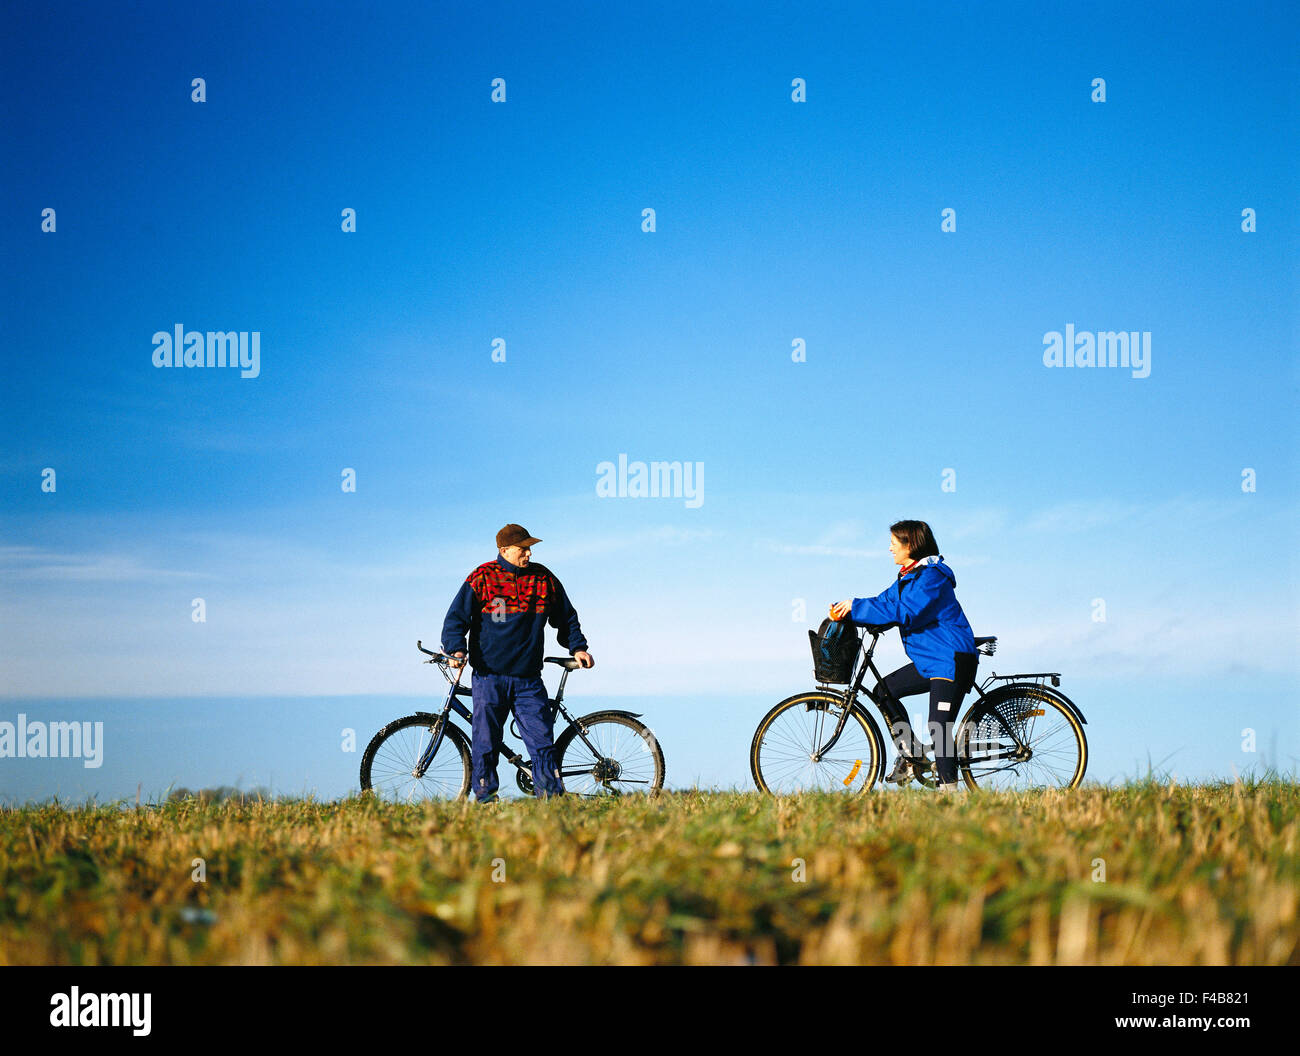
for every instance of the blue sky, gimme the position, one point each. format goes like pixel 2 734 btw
pixel 522 221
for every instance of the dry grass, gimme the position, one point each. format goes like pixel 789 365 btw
pixel 1193 875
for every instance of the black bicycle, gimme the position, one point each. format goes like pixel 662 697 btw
pixel 427 756
pixel 1020 735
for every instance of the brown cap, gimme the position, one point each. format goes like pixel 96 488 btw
pixel 515 535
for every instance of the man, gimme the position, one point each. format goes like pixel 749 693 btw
pixel 505 605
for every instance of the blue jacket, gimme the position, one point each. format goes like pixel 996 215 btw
pixel 924 605
pixel 505 609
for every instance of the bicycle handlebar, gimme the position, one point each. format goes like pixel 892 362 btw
pixel 437 657
pixel 460 661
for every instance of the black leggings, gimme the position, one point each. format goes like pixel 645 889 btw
pixel 945 702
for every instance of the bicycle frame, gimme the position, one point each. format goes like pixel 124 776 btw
pixel 452 704
pixel 865 664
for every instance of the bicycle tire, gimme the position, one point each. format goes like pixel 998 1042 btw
pixel 388 763
pixel 987 754
pixel 780 756
pixel 628 764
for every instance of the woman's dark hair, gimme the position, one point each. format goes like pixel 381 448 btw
pixel 917 537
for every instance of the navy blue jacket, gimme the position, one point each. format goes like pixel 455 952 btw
pixel 505 609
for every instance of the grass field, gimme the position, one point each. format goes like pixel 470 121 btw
pixel 1144 874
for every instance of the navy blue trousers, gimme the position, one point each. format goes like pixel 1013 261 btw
pixel 945 701
pixel 495 697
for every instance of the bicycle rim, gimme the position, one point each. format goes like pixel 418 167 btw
pixel 392 764
pixel 627 759
pixel 990 757
pixel 785 756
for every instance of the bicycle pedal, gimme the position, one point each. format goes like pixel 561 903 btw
pixel 901 774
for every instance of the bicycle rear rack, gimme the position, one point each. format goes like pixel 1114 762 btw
pixel 1036 676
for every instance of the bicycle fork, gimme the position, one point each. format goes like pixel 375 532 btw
pixel 435 742
pixel 822 749
pixel 849 698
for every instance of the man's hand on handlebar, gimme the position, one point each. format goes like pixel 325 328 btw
pixel 457 660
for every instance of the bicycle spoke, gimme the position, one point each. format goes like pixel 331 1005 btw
pixel 788 754
pixel 1041 725
pixel 391 768
pixel 612 754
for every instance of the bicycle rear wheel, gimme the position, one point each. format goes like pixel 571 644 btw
pixel 1021 736
pixel 788 754
pixel 390 759
pixel 626 760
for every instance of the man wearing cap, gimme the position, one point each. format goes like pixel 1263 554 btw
pixel 504 606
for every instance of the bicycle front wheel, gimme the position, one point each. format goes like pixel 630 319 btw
pixel 388 766
pixel 610 753
pixel 1022 736
pixel 790 754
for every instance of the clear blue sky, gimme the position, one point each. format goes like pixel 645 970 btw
pixel 522 220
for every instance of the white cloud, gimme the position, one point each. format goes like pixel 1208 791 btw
pixel 296 616
pixel 36 563
pixel 1085 514
pixel 822 550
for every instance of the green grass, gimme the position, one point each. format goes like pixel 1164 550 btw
pixel 1201 874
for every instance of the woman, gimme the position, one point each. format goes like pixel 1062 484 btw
pixel 936 638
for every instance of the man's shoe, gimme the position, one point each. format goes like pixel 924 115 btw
pixel 949 786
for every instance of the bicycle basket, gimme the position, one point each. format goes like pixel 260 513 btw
pixel 834 648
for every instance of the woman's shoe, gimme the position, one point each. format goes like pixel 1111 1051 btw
pixel 902 772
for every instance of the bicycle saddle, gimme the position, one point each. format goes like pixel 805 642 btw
pixel 566 662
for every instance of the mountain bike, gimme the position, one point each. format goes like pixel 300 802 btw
pixel 427 756
pixel 1019 735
